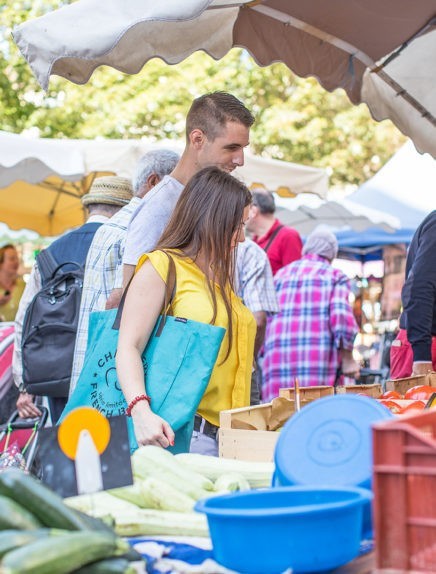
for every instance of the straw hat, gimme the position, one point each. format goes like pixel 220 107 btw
pixel 112 190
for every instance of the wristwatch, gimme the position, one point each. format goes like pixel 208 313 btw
pixel 22 388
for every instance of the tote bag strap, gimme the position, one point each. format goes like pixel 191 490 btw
pixel 170 291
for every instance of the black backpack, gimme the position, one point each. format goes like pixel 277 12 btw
pixel 50 326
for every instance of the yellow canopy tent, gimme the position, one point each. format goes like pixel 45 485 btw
pixel 42 180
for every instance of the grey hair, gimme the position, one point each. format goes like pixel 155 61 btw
pixel 264 200
pixel 321 242
pixel 158 161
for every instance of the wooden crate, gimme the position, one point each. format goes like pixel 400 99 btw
pixel 243 432
pixel 308 393
pixel 374 390
pixel 403 385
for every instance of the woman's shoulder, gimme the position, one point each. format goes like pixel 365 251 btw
pixel 157 258
pixel 160 259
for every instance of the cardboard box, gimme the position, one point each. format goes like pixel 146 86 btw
pixel 374 390
pixel 403 385
pixel 250 433
pixel 308 393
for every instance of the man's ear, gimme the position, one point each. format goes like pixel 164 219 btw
pixel 152 180
pixel 197 138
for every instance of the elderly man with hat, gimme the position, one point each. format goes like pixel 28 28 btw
pixel 106 197
pixel 312 335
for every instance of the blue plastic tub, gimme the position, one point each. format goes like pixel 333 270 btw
pixel 330 442
pixel 308 529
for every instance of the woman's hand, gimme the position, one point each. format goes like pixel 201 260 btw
pixel 150 428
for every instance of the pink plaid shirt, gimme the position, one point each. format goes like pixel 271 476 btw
pixel 315 319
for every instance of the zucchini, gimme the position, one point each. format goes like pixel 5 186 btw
pixel 231 482
pixel 100 504
pixel 132 555
pixel 42 502
pixel 157 494
pixel 133 493
pixel 157 462
pixel 97 524
pixel 161 522
pixel 108 566
pixel 258 474
pixel 62 554
pixel 10 539
pixel 14 516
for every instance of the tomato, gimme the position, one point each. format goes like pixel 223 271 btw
pixel 420 392
pixel 415 407
pixel 391 395
pixel 392 406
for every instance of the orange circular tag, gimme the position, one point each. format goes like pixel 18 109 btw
pixel 83 418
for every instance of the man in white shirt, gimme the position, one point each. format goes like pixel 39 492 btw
pixel 217 131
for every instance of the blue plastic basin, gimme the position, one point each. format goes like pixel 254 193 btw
pixel 308 529
pixel 330 442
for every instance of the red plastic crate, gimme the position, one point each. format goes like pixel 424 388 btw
pixel 405 494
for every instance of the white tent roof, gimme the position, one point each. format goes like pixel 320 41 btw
pixel 380 52
pixel 405 187
pixel 35 159
pixel 305 213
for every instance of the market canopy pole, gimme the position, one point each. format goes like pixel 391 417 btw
pixel 380 53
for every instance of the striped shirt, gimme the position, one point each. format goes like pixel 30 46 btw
pixel 104 259
pixel 254 280
pixel 315 320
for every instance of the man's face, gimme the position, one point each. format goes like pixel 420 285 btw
pixel 226 151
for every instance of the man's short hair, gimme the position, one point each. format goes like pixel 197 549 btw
pixel 158 161
pixel 264 200
pixel 212 111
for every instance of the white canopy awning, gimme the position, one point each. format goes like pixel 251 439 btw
pixel 380 53
pixel 42 180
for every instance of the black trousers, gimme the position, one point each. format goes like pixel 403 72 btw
pixel 56 405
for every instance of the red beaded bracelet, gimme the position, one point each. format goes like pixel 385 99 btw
pixel 136 400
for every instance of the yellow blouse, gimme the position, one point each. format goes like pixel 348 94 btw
pixel 229 385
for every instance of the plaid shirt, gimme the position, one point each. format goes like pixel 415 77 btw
pixel 253 278
pixel 104 259
pixel 315 320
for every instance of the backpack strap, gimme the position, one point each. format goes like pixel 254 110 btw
pixel 272 237
pixel 47 265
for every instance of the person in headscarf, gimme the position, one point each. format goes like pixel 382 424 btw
pixel 311 337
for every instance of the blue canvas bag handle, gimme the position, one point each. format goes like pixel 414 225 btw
pixel 170 291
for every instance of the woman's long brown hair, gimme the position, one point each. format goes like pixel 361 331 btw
pixel 205 219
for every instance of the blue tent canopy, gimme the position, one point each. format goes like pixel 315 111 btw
pixel 368 245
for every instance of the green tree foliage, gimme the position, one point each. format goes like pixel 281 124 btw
pixel 296 119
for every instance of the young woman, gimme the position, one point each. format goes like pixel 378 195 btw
pixel 201 236
pixel 11 285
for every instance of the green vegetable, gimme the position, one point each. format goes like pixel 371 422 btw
pixel 10 539
pixel 133 494
pixel 258 474
pixel 101 504
pixel 108 566
pixel 39 500
pixel 161 522
pixel 157 494
pixel 13 515
pixel 104 524
pixel 158 463
pixel 231 482
pixel 62 554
